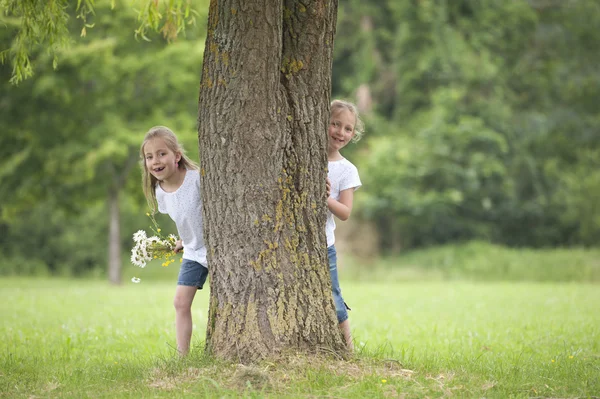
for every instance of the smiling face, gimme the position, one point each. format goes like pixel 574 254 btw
pixel 341 130
pixel 160 161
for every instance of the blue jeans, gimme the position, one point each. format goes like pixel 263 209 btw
pixel 192 274
pixel 340 305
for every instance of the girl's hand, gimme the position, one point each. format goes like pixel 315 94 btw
pixel 328 182
pixel 178 246
pixel 342 207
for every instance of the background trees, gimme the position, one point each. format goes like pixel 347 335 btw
pixel 482 122
pixel 482 119
pixel 71 138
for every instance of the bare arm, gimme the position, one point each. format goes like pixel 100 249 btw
pixel 343 207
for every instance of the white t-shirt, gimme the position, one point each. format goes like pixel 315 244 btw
pixel 343 175
pixel 184 206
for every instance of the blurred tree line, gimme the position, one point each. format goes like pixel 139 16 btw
pixel 71 185
pixel 482 122
pixel 482 118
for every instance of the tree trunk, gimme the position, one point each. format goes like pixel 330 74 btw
pixel 119 177
pixel 263 115
pixel 114 238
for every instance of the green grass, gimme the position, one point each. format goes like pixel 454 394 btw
pixel 482 261
pixel 84 338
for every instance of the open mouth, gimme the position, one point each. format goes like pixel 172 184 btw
pixel 156 170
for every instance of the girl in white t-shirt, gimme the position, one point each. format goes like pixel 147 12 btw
pixel 344 126
pixel 171 183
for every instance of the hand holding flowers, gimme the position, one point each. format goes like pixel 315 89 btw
pixel 154 247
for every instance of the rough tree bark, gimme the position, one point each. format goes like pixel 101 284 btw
pixel 263 114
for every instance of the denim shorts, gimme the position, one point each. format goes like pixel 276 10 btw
pixel 192 274
pixel 340 306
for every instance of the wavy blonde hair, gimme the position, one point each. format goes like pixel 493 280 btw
pixel 359 126
pixel 148 180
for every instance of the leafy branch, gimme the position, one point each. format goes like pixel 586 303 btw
pixel 44 24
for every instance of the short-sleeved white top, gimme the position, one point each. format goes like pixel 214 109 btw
pixel 342 175
pixel 184 206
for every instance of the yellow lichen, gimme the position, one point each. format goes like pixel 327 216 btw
pixel 291 67
pixel 225 58
pixel 266 259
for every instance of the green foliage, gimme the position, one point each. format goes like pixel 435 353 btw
pixel 37 23
pixel 578 192
pixel 483 119
pixel 71 136
pixel 45 24
pixel 444 184
pixel 486 121
pixel 93 110
pixel 49 240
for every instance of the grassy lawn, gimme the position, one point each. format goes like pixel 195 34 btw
pixel 84 338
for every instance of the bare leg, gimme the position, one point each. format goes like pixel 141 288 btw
pixel 184 295
pixel 345 327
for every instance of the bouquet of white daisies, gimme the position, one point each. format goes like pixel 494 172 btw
pixel 153 247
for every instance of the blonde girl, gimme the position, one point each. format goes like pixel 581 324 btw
pixel 345 126
pixel 171 183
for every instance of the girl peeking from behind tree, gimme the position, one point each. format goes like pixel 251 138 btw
pixel 345 126
pixel 171 183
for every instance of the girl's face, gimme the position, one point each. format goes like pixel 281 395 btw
pixel 341 129
pixel 161 162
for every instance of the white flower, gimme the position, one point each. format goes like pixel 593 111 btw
pixel 139 255
pixel 152 240
pixel 143 251
pixel 139 236
pixel 137 261
pixel 135 280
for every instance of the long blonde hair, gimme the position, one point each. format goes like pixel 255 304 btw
pixel 359 126
pixel 148 180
